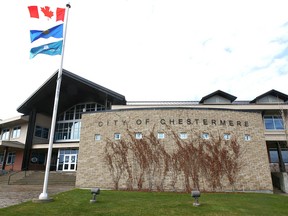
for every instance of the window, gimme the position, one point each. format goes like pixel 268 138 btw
pixel 273 122
pixel 160 135
pixel 11 158
pixel 227 136
pixel 247 137
pixel 41 132
pixel 205 136
pixel 38 157
pixel 68 131
pixel 183 135
pixel 1 158
pixel 97 137
pixel 67 159
pixel 138 135
pixel 16 132
pixel 117 136
pixel 273 153
pixel 5 134
pixel 68 125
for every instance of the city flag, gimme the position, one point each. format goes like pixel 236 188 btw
pixel 46 11
pixel 52 49
pixel 56 32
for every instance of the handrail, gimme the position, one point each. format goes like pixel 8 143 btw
pixel 12 174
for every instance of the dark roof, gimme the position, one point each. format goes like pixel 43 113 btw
pixel 74 90
pixel 274 93
pixel 220 93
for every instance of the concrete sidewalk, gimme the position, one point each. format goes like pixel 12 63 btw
pixel 15 194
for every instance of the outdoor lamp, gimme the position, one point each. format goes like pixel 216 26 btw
pixel 94 192
pixel 196 194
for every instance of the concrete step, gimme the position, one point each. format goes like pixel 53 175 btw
pixel 37 178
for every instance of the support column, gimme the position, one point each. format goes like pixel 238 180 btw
pixel 281 162
pixel 5 158
pixel 29 139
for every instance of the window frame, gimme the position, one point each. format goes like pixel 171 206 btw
pixel 160 135
pixel 97 137
pixel 5 134
pixel 44 132
pixel 138 135
pixel 11 157
pixel 273 122
pixel 16 132
pixel 205 136
pixel 117 136
pixel 227 136
pixel 247 137
pixel 183 135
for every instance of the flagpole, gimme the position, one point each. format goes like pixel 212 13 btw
pixel 44 194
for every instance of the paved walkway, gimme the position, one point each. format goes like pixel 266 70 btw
pixel 15 194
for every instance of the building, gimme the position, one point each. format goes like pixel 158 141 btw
pixel 215 144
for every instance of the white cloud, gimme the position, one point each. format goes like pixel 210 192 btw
pixel 155 49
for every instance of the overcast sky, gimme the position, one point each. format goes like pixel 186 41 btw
pixel 176 50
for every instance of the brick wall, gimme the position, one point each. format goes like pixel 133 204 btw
pixel 93 169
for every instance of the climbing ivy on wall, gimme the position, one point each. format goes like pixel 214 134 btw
pixel 145 164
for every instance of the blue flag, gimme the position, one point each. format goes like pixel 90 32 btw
pixel 48 49
pixel 56 32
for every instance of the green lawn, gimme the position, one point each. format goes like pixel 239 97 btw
pixel 77 202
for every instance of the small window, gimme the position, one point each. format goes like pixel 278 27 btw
pixel 5 134
pixel 97 137
pixel 16 132
pixel 183 135
pixel 247 137
pixel 11 158
pixel 41 132
pixel 160 135
pixel 205 136
pixel 117 136
pixel 1 158
pixel 138 135
pixel 227 136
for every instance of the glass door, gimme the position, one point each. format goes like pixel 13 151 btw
pixel 70 162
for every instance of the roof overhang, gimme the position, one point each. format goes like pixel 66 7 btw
pixel 12 144
pixel 14 121
pixel 74 89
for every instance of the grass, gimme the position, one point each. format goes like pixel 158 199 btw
pixel 77 202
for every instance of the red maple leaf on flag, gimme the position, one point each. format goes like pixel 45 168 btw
pixel 46 11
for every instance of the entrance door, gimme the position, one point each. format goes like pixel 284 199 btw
pixel 70 162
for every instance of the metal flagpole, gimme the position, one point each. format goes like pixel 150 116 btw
pixel 44 194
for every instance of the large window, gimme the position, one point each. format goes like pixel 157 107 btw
pixel 273 122
pixel 69 122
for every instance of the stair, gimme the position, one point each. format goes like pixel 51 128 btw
pixel 37 178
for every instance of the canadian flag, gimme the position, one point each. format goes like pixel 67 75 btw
pixel 35 12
